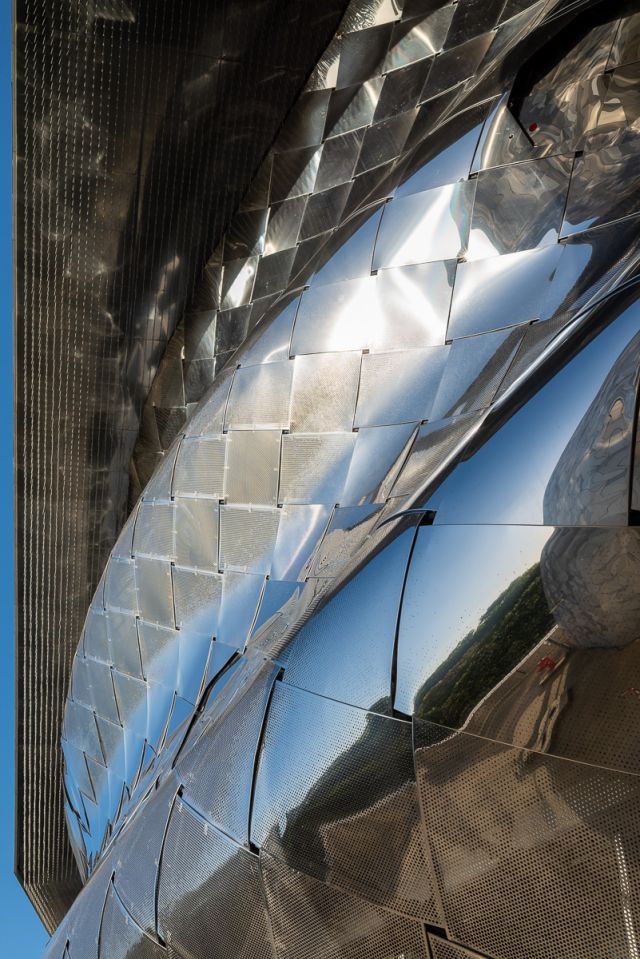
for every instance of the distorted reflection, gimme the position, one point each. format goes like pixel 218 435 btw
pixel 577 419
pixel 411 247
pixel 511 829
pixel 540 649
pixel 339 801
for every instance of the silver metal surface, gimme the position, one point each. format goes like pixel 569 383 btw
pixel 138 130
pixel 372 633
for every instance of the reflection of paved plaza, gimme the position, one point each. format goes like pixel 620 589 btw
pixel 515 834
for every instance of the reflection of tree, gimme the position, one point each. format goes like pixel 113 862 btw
pixel 508 630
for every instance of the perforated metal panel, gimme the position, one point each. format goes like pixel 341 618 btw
pixel 311 919
pixel 85 917
pixel 218 774
pixel 399 387
pixel 210 904
pixel 121 937
pixel 260 395
pixel 200 467
pixel 441 949
pixel 338 801
pixel 253 467
pixel 247 538
pixel 314 467
pixel 513 831
pixel 325 388
pixel 137 857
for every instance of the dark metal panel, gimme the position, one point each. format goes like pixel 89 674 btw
pixel 139 127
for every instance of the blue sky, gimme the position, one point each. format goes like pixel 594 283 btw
pixel 22 933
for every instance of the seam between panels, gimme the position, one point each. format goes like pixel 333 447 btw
pixel 426 841
pixel 396 638
pixel 156 889
pixel 102 912
pixel 256 756
pixel 265 904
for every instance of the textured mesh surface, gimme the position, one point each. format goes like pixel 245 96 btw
pixel 218 773
pixel 313 921
pixel 139 127
pixel 84 919
pixel 529 848
pixel 121 937
pixel 138 855
pixel 441 949
pixel 210 904
pixel 335 796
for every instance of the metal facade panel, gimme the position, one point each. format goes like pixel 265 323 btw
pixel 336 546
pixel 511 829
pixel 209 894
pixel 218 774
pixel 314 920
pixel 320 806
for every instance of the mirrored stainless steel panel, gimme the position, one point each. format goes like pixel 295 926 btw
pixel 209 895
pixel 550 462
pixel 339 803
pixel 357 625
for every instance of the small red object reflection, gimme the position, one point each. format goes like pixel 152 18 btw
pixel 533 127
pixel 546 663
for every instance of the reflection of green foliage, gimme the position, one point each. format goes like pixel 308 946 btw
pixel 510 628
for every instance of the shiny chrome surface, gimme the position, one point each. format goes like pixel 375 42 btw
pixel 372 629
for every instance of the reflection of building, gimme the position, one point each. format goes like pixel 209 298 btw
pixel 340 691
pixel 588 577
pixel 595 464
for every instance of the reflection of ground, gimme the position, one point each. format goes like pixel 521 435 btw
pixel 358 825
pixel 586 708
pixel 532 848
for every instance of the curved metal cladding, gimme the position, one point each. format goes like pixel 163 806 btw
pixel 361 679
